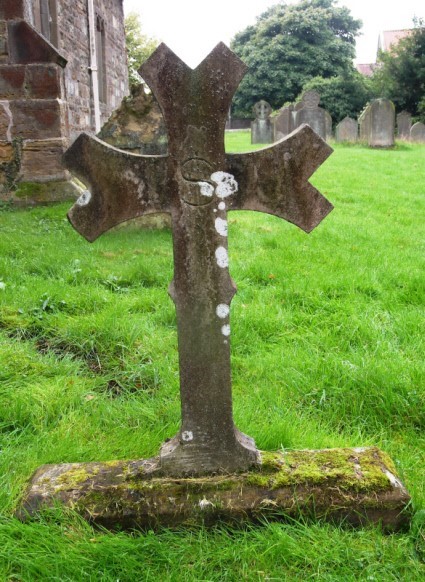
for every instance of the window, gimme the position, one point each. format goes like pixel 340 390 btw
pixel 100 55
pixel 46 19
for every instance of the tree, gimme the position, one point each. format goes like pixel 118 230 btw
pixel 139 47
pixel 400 75
pixel 288 46
pixel 342 96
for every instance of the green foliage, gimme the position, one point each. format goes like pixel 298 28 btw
pixel 401 73
pixel 327 350
pixel 288 46
pixel 139 46
pixel 345 95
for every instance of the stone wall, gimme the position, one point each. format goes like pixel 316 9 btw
pixel 46 96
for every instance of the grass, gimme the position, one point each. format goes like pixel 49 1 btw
pixel 327 350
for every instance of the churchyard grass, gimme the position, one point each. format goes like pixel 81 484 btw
pixel 327 350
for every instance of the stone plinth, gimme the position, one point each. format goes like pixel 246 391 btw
pixel 356 486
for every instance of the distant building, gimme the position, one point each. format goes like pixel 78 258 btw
pixel 63 70
pixel 386 40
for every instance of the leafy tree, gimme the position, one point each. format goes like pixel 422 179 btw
pixel 291 44
pixel 139 47
pixel 345 95
pixel 400 75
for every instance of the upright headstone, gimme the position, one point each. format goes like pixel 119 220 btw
pixel 262 127
pixel 417 132
pixel 197 183
pixel 284 122
pixel 347 130
pixel 365 124
pixel 328 118
pixel 382 127
pixel 311 113
pixel 404 123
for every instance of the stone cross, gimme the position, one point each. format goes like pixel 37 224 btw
pixel 197 183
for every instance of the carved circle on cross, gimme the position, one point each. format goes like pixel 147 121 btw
pixel 262 109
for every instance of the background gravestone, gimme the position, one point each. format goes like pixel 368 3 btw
pixel 382 126
pixel 311 113
pixel 328 118
pixel 284 122
pixel 404 123
pixel 347 130
pixel 417 132
pixel 365 124
pixel 262 127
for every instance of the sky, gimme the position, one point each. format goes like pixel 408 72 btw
pixel 191 28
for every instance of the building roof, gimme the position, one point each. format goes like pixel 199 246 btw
pixel 389 38
pixel 365 69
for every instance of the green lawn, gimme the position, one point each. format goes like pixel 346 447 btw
pixel 328 343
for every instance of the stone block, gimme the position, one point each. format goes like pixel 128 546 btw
pixel 3 40
pixel 43 81
pixel 6 152
pixel 10 9
pixel 42 160
pixel 12 79
pixel 36 119
pixel 5 122
pixel 27 46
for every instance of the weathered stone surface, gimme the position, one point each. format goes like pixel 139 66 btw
pixel 12 79
pixel 382 123
pixel 356 486
pixel 197 183
pixel 262 127
pixel 6 152
pixel 36 118
pixel 26 46
pixel 42 160
pixel 284 122
pixel 404 123
pixel 137 125
pixel 10 9
pixel 311 113
pixel 365 124
pixel 6 122
pixel 347 130
pixel 43 81
pixel 417 132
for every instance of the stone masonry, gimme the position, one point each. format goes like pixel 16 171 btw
pixel 46 92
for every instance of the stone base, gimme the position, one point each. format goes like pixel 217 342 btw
pixel 38 193
pixel 353 486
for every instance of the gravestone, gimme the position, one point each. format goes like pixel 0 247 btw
pixel 328 119
pixel 284 122
pixel 417 132
pixel 310 112
pixel 382 123
pixel 404 123
pixel 365 124
pixel 262 126
pixel 198 183
pixel 347 130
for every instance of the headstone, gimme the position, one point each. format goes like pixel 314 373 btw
pixel 328 119
pixel 417 132
pixel 284 122
pixel 347 130
pixel 382 115
pixel 365 124
pixel 311 113
pixel 262 127
pixel 404 123
pixel 197 183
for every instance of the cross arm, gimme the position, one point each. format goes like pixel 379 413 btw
pixel 275 179
pixel 121 185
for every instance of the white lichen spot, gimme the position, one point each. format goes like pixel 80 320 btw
pixel 222 205
pixel 225 330
pixel 131 177
pixel 204 503
pixel 84 199
pixel 221 226
pixel 206 189
pixel 226 184
pixel 187 435
pixel 222 257
pixel 222 310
